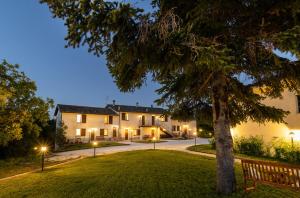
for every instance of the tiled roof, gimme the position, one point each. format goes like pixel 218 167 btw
pixel 137 109
pixel 83 110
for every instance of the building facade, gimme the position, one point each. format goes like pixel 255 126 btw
pixel 270 131
pixel 119 122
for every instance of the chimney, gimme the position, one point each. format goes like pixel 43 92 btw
pixel 137 104
pixel 114 102
pixel 151 106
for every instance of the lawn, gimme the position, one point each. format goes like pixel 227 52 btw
pixel 20 165
pixel 72 147
pixel 206 148
pixel 149 173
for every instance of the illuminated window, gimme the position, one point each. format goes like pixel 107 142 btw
pixel 78 118
pixel 106 120
pixel 125 116
pixel 105 132
pixel 78 132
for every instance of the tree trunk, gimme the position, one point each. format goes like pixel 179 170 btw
pixel 226 182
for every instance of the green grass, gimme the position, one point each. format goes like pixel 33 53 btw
pixel 206 148
pixel 72 147
pixel 148 141
pixel 150 173
pixel 14 166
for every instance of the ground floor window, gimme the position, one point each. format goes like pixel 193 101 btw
pixel 82 132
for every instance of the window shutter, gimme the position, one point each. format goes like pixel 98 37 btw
pixel 138 132
pixel 123 116
pixel 166 118
pixel 83 131
pixel 83 118
pixel 298 99
pixel 110 118
pixel 101 132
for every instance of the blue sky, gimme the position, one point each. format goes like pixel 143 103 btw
pixel 30 37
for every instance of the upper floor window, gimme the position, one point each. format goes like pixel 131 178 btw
pixel 81 118
pixel 108 120
pixel 298 102
pixel 164 118
pixel 125 116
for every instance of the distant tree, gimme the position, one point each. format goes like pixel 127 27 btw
pixel 60 135
pixel 22 113
pixel 206 54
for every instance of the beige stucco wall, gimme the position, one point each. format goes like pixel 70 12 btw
pixel 93 124
pixel 96 122
pixel 274 130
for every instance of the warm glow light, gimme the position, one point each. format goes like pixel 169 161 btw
pixel 195 133
pixel 35 148
pixel 78 132
pixel 43 148
pixel 95 143
pixel 154 138
pixel 295 134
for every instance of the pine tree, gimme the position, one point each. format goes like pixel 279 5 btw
pixel 216 56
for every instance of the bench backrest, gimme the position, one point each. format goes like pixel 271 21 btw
pixel 281 175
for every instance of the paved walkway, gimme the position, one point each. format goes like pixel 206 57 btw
pixel 179 145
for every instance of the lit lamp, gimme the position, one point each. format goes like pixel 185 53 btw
pixel 154 140
pixel 95 145
pixel 292 138
pixel 43 151
pixel 195 135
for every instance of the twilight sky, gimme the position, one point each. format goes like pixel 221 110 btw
pixel 29 36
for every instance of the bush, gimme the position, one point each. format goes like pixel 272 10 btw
pixel 212 142
pixel 254 145
pixel 283 150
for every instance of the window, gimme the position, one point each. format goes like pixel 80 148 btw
pixel 173 128
pixel 166 118
pixel 153 120
pixel 78 133
pixel 298 101
pixel 78 118
pixel 83 118
pixel 110 119
pixel 103 132
pixel 82 132
pixel 106 120
pixel 178 128
pixel 125 116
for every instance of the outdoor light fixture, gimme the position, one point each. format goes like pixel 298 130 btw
pixel 35 148
pixel 154 140
pixel 195 135
pixel 95 145
pixel 43 151
pixel 292 138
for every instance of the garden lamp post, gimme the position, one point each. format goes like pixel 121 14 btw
pixel 154 139
pixel 95 146
pixel 292 138
pixel 195 135
pixel 43 151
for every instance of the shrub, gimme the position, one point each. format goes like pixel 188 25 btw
pixel 254 145
pixel 283 150
pixel 212 142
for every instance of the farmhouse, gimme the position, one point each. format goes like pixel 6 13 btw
pixel 119 122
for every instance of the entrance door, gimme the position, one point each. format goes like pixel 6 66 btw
pixel 126 134
pixel 92 136
pixel 114 132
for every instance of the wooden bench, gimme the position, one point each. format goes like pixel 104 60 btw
pixel 271 173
